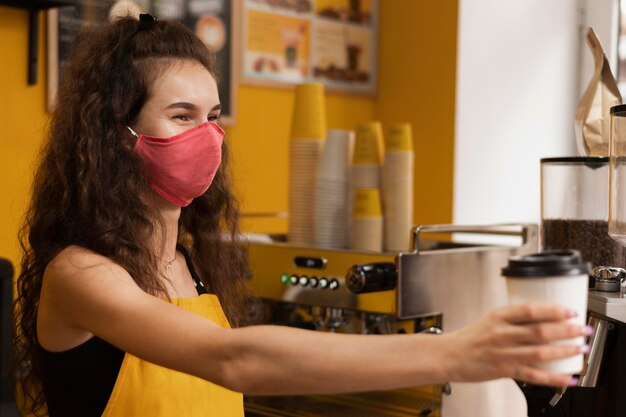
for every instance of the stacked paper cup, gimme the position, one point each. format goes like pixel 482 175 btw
pixel 367 221
pixel 368 156
pixel 397 185
pixel 330 201
pixel 367 160
pixel 308 130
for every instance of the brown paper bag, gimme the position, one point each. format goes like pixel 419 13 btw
pixel 592 116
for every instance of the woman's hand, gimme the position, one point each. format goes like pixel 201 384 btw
pixel 506 342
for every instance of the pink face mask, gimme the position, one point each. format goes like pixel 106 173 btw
pixel 182 167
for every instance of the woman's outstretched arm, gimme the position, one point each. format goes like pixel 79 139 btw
pixel 85 294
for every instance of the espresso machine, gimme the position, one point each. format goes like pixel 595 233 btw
pixel 448 279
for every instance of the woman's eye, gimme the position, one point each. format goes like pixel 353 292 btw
pixel 213 117
pixel 182 117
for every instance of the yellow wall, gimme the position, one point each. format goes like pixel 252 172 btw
pixel 417 56
pixel 22 119
pixel 417 64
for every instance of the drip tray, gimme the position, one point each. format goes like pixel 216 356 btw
pixel 399 403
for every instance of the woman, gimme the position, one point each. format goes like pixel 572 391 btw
pixel 117 318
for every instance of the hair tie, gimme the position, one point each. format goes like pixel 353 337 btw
pixel 146 21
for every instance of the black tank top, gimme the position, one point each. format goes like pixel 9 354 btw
pixel 78 382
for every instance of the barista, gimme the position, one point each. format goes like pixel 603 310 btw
pixel 130 299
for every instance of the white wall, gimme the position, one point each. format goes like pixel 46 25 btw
pixel 601 15
pixel 517 91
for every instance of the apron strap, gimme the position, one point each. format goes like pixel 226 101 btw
pixel 197 282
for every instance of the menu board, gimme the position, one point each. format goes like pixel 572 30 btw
pixel 211 20
pixel 296 41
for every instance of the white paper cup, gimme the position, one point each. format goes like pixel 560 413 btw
pixel 558 277
pixel 336 158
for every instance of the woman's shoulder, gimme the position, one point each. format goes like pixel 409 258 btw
pixel 83 293
pixel 72 290
pixel 74 262
pixel 76 258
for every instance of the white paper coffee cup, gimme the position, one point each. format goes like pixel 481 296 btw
pixel 558 277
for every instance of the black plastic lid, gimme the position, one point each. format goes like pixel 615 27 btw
pixel 553 263
pixel 590 161
pixel 620 108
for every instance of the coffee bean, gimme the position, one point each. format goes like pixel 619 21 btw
pixel 590 237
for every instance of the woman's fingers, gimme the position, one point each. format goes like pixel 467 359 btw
pixel 541 377
pixel 522 361
pixel 541 353
pixel 541 333
pixel 533 312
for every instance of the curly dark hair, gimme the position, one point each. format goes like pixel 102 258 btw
pixel 87 188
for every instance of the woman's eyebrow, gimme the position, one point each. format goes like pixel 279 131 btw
pixel 182 104
pixel 190 106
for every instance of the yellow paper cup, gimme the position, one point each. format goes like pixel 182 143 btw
pixel 368 144
pixel 367 202
pixel 309 112
pixel 398 137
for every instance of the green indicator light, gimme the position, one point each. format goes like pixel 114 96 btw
pixel 285 278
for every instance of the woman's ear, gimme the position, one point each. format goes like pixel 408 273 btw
pixel 129 138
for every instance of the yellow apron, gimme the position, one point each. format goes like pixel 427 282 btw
pixel 146 389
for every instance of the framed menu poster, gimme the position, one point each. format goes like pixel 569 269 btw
pixel 295 41
pixel 213 21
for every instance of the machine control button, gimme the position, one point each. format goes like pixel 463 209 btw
pixel 294 280
pixel 304 280
pixel 285 278
pixel 313 281
pixel 309 262
pixel 323 283
pixel 333 284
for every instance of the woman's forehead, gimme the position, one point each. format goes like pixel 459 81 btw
pixel 187 81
